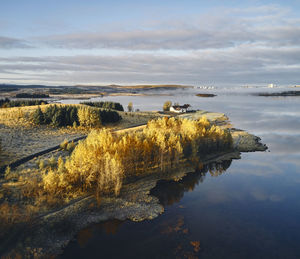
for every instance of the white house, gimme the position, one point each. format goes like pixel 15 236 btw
pixel 179 108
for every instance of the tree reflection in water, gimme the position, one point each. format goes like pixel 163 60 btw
pixel 109 227
pixel 99 237
pixel 170 192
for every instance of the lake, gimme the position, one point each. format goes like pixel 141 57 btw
pixel 247 208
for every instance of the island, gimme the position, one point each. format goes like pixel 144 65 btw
pixel 206 95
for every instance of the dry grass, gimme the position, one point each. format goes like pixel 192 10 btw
pixel 20 138
pixel 132 119
pixel 18 142
pixel 16 115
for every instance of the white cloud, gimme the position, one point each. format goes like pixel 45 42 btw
pixel 229 65
pixel 268 25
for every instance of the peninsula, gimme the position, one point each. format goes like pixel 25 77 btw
pixel 52 185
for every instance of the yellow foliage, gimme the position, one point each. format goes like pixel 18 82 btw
pixel 63 145
pixel 89 116
pixel 99 163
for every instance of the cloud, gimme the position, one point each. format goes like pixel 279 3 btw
pixel 233 65
pixel 268 26
pixel 262 195
pixel 12 43
pixel 140 40
pixel 284 144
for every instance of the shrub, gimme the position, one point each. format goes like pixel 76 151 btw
pixel 60 165
pixel 167 106
pixel 70 147
pixel 63 145
pixel 52 162
pixel 7 172
pixel 130 107
pixel 42 164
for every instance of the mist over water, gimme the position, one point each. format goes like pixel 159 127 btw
pixel 249 209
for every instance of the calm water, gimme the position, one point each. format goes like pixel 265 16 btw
pixel 247 208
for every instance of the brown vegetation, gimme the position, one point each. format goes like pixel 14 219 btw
pixel 11 216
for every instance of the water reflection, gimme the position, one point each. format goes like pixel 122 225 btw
pixel 175 229
pixel 160 238
pixel 84 236
pixel 262 195
pixel 170 192
pixel 109 227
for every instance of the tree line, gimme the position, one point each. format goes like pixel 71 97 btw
pixel 7 103
pixel 70 115
pixel 105 105
pixel 33 95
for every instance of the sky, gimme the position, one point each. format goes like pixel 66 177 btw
pixel 69 42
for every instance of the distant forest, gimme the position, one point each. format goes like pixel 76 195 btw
pixel 105 105
pixel 7 103
pixel 34 95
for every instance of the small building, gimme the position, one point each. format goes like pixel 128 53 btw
pixel 179 108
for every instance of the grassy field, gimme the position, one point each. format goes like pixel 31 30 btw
pixel 20 138
pixel 19 142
